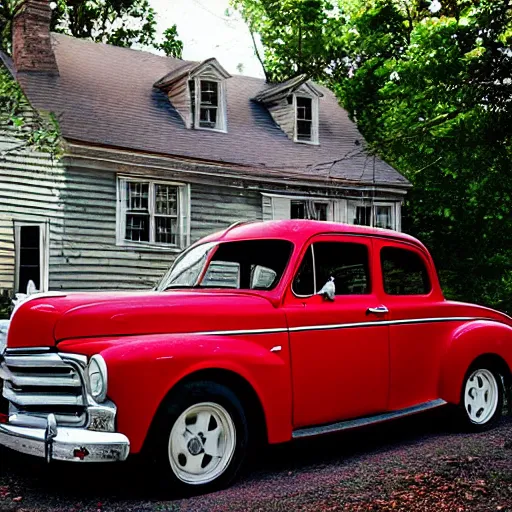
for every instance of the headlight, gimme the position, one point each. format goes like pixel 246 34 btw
pixel 97 377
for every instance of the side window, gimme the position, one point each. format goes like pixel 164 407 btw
pixel 404 272
pixel 348 263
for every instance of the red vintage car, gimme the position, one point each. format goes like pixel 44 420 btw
pixel 267 331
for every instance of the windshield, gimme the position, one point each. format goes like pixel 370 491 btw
pixel 247 265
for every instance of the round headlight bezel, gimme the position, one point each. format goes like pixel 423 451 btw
pixel 97 369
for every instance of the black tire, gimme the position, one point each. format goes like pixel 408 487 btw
pixel 477 374
pixel 158 448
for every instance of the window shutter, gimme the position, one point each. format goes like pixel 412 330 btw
pixel 267 208
pixel 281 208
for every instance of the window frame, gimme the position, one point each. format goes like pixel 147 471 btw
pixel 195 106
pixel 395 206
pixel 423 260
pixel 341 239
pixel 314 121
pixel 183 214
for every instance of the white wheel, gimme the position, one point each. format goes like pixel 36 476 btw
pixel 481 396
pixel 202 443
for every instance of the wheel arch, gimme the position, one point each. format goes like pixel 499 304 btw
pixel 243 389
pixel 473 343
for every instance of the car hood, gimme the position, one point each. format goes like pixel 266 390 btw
pixel 43 321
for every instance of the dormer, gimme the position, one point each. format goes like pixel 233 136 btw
pixel 198 93
pixel 294 106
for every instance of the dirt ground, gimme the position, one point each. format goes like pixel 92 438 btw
pixel 416 464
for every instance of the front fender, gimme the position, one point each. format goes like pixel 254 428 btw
pixel 470 341
pixel 142 372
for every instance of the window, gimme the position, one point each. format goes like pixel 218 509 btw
pixel 207 107
pixel 306 119
pixel 348 263
pixel 152 212
pixel 251 264
pixel 376 215
pixel 312 210
pixel 404 272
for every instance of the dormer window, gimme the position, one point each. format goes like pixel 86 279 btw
pixel 294 105
pixel 198 93
pixel 206 107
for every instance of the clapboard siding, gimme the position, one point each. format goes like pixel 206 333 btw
pixel 79 206
pixel 29 192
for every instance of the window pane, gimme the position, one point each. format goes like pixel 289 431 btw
pixel 137 228
pixel 209 93
pixel 304 130
pixel 304 109
pixel 383 217
pixel 363 216
pixel 298 210
pixel 347 263
pixel 166 230
pixel 166 199
pixel 303 284
pixel 311 210
pixel 404 272
pixel 29 258
pixel 208 117
pixel 137 196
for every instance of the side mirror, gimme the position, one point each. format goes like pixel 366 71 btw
pixel 328 291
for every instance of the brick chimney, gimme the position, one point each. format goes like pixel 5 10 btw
pixel 31 43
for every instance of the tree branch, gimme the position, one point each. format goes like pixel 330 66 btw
pixel 258 56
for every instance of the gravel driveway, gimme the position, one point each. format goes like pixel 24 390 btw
pixel 408 465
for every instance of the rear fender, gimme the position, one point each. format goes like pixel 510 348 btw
pixel 469 342
pixel 142 372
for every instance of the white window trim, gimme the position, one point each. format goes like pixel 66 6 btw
pixel 395 211
pixel 44 254
pixel 314 114
pixel 183 214
pixel 222 124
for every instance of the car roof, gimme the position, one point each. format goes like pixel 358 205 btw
pixel 299 231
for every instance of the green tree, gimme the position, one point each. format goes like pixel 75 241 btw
pixel 172 46
pixel 118 22
pixel 429 83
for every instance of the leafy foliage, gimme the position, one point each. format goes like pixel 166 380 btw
pixel 35 130
pixel 172 46
pixel 118 22
pixel 430 86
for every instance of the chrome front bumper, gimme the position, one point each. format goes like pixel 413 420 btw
pixel 59 443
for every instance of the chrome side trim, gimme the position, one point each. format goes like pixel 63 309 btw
pixel 385 322
pixel 368 420
pixel 375 323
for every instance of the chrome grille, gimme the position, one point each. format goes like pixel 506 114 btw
pixel 37 384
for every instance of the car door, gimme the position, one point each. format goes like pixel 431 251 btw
pixel 339 349
pixel 417 334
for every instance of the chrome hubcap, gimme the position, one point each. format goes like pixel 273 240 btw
pixel 481 396
pixel 202 443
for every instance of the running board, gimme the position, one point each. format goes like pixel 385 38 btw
pixel 368 420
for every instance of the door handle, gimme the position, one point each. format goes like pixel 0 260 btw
pixel 379 310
